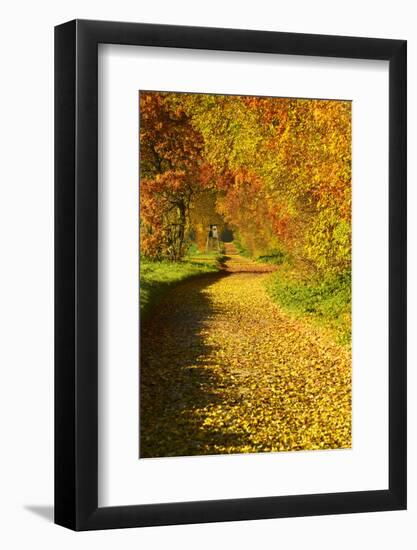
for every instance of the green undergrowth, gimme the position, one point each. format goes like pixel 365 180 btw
pixel 241 249
pixel 193 252
pixel 325 301
pixel 156 277
pixel 276 257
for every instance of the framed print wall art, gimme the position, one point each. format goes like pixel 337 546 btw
pixel 230 275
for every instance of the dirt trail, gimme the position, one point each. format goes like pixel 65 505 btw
pixel 234 263
pixel 224 370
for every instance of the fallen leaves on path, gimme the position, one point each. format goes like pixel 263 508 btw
pixel 224 370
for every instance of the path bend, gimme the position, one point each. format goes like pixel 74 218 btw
pixel 225 370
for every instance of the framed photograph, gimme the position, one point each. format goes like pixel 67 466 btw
pixel 230 285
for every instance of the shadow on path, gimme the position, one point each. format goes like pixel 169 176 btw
pixel 177 376
pixel 223 370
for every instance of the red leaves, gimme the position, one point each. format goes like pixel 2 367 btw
pixel 169 160
pixel 277 166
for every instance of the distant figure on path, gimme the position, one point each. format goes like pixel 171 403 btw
pixel 212 238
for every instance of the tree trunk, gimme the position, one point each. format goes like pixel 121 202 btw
pixel 182 220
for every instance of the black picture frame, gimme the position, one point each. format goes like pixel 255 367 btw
pixel 76 272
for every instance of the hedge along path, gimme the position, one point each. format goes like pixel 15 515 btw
pixel 224 370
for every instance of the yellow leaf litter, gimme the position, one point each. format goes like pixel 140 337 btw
pixel 224 370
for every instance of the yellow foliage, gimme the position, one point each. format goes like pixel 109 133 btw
pixel 225 370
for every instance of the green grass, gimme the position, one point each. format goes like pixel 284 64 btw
pixel 193 253
pixel 241 249
pixel 326 302
pixel 275 257
pixel 272 256
pixel 156 277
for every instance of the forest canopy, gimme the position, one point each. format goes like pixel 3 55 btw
pixel 275 171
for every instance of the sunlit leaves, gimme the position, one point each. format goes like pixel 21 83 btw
pixel 280 169
pixel 169 169
pixel 224 370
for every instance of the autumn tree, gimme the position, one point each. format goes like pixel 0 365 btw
pixel 277 170
pixel 169 166
pixel 283 172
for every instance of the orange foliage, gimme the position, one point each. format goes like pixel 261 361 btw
pixel 279 170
